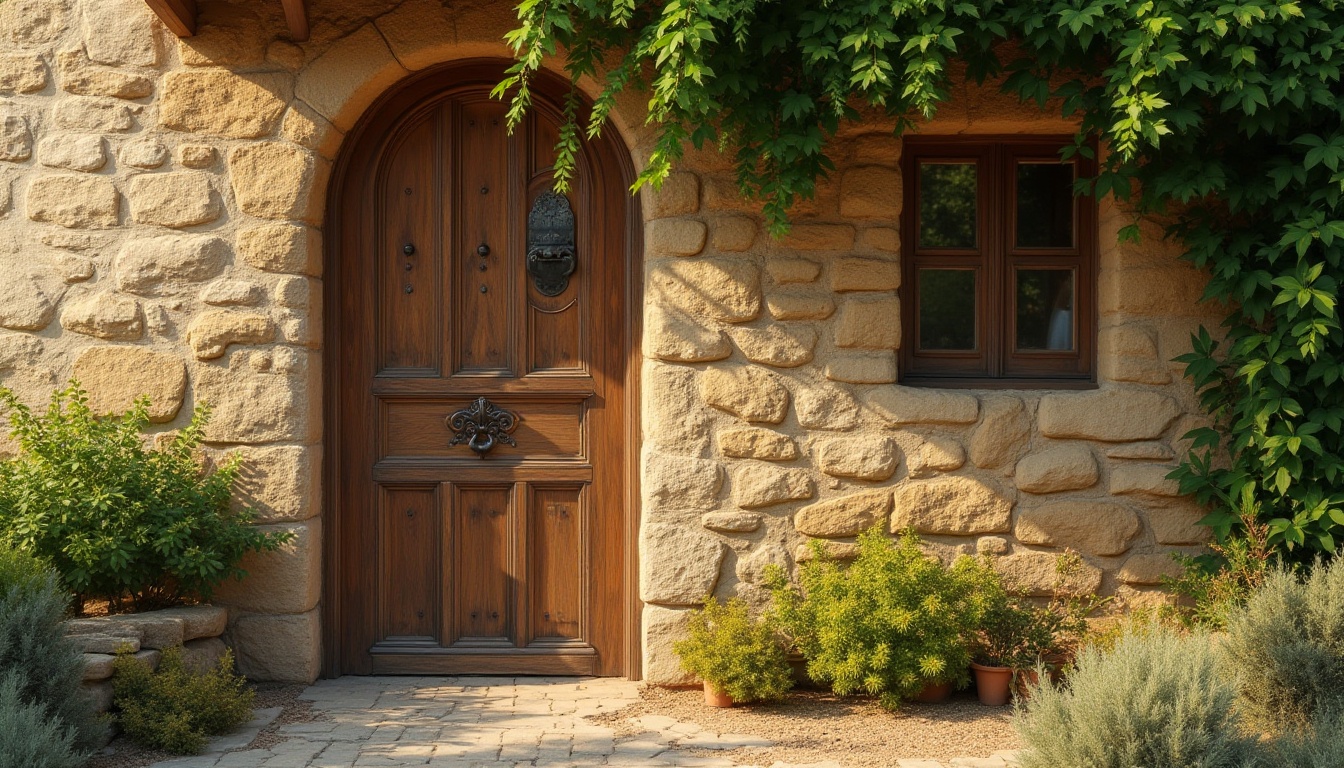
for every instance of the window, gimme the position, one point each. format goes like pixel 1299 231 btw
pixel 999 259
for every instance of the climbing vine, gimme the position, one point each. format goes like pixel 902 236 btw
pixel 1222 117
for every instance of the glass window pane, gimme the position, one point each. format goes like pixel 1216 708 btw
pixel 1045 309
pixel 947 193
pixel 1044 205
pixel 946 309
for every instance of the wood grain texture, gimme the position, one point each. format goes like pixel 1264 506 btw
pixel 505 566
pixel 178 15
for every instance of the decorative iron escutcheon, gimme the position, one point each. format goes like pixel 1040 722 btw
pixel 482 423
pixel 551 253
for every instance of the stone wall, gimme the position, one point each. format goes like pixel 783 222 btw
pixel 160 230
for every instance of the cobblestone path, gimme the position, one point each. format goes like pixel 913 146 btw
pixel 478 722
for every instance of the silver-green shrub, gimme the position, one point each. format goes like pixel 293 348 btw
pixel 1286 648
pixel 1320 746
pixel 29 737
pixel 1157 700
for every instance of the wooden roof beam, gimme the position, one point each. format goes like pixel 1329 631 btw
pixel 296 16
pixel 178 15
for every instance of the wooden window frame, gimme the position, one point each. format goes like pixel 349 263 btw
pixel 994 364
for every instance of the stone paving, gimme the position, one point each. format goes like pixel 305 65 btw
pixel 479 722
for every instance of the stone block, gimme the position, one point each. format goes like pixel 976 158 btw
pixel 280 648
pixel 1096 527
pixel 761 485
pixel 72 152
pixel 800 306
pixel 869 323
pixel 115 376
pixel 27 299
pixel 679 194
pixel 757 443
pixel 217 102
pixel 1149 570
pixel 259 397
pixel 341 82
pixel 22 73
pixel 211 333
pixel 834 550
pixel 871 192
pixel 99 695
pixel 722 289
pixel 898 406
pixel 197 156
pixel 156 632
pixel 866 457
pixel 1002 435
pixel 120 33
pixel 231 293
pixel 1176 521
pixel 1149 479
pixel 678 565
pixel 826 406
pixel 74 202
pixel 733 234
pixel 953 505
pixel 778 346
pixel 198 621
pixel 16 140
pixel 421 33
pixel 1055 469
pixel 934 455
pixel 143 153
pixel 819 237
pixel 288 580
pixel 98 666
pixel 1141 452
pixel 663 627
pixel 174 199
pixel 93 114
pixel 882 239
pixel 165 264
pixel 274 180
pixel 679 486
pixel 749 393
pixel 78 75
pixel 844 517
pixel 203 656
pixel 279 483
pixel 731 522
pixel 854 274
pixel 1108 415
pixel 1035 574
pixel 227 35
pixel 289 248
pixel 784 271
pixel 674 417
pixel 862 367
pixel 108 644
pixel 676 336
pixel 991 545
pixel 104 316
pixel 674 237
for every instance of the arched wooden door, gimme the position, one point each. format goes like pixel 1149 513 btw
pixel 480 423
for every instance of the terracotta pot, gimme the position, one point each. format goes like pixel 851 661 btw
pixel 934 693
pixel 716 698
pixel 993 684
pixel 1026 680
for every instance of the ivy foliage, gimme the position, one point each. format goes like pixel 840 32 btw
pixel 1222 117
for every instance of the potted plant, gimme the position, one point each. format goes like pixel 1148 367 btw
pixel 738 657
pixel 1013 636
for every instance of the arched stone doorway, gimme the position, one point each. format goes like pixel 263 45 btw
pixel 453 302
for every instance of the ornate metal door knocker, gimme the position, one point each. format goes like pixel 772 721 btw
pixel 480 424
pixel 550 243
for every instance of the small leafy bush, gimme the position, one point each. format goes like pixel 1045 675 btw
pixel 1015 633
pixel 174 709
pixel 120 521
pixel 738 655
pixel 1155 699
pixel 1220 582
pixel 1286 647
pixel 892 622
pixel 40 670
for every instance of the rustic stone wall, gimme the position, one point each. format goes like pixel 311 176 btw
pixel 160 232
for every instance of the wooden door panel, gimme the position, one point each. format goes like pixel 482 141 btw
pixel 443 561
pixel 556 562
pixel 409 296
pixel 481 574
pixel 409 529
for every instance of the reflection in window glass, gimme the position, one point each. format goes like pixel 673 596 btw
pixel 947 205
pixel 1044 205
pixel 1045 309
pixel 946 309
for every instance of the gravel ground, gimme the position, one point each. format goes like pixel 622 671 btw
pixel 123 753
pixel 812 726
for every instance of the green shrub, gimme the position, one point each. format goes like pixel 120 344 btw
pixel 29 737
pixel 1320 746
pixel 1157 700
pixel 892 622
pixel 1220 582
pixel 1286 647
pixel 736 654
pixel 175 709
pixel 42 668
pixel 1015 633
pixel 121 521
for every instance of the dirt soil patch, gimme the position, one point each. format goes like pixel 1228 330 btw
pixel 812 726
